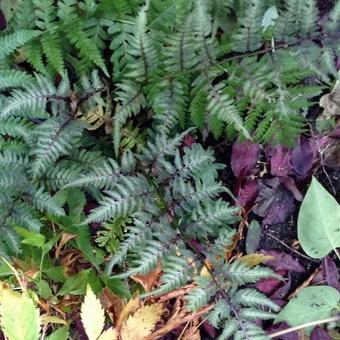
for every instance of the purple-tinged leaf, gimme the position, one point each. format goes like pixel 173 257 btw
pixel 280 161
pixel 3 22
pixel 331 272
pixel 303 157
pixel 280 327
pixel 211 330
pixel 188 141
pixel 290 185
pixel 319 334
pixel 247 194
pixel 281 208
pixel 266 196
pixel 335 133
pixel 269 285
pixel 283 261
pixel 274 202
pixel 244 157
pixel 282 291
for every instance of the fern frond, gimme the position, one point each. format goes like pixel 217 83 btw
pixel 131 193
pixel 34 55
pixel 170 103
pixel 51 45
pixel 45 14
pixel 17 127
pixel 10 42
pixel 89 52
pixel 252 298
pixel 14 78
pixel 44 202
pixel 248 34
pixel 30 101
pixel 223 107
pixel 239 273
pixel 55 138
pixel 120 33
pixel 142 49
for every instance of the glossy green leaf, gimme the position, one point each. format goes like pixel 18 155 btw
pixel 318 222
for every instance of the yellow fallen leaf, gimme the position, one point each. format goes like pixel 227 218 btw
pixel 142 323
pixel 252 260
pixel 46 319
pixel 109 334
pixel 131 307
pixel 92 315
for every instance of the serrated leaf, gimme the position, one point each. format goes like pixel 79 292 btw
pixel 311 304
pixel 130 308
pixel 141 324
pixel 19 317
pixel 318 222
pixel 92 315
pixel 61 333
pixel 109 334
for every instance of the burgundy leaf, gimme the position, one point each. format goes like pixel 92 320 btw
pixel 290 185
pixel 282 291
pixel 283 261
pixel 209 329
pixel 274 202
pixel 331 272
pixel 319 334
pixel 188 141
pixel 303 157
pixel 3 22
pixel 265 198
pixel 244 157
pixel 269 285
pixel 280 327
pixel 247 193
pixel 280 161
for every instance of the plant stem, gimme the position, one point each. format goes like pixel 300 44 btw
pixel 305 325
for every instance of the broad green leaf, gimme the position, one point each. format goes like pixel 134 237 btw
pixel 319 222
pixel 30 237
pixel 76 284
pixel 61 333
pixel 44 289
pixel 19 317
pixel 311 304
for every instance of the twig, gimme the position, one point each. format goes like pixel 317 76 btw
pixel 305 325
pixel 178 321
pixel 304 284
pixel 290 248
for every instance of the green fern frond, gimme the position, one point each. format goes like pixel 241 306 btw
pixel 30 101
pixel 14 78
pixel 239 273
pixel 45 14
pixel 51 46
pixel 9 43
pixel 248 34
pixel 130 195
pixel 223 107
pixel 141 47
pixel 55 138
pixel 88 51
pixel 44 202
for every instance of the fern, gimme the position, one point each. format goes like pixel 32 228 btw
pixel 9 43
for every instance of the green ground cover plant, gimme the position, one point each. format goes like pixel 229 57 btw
pixel 112 179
